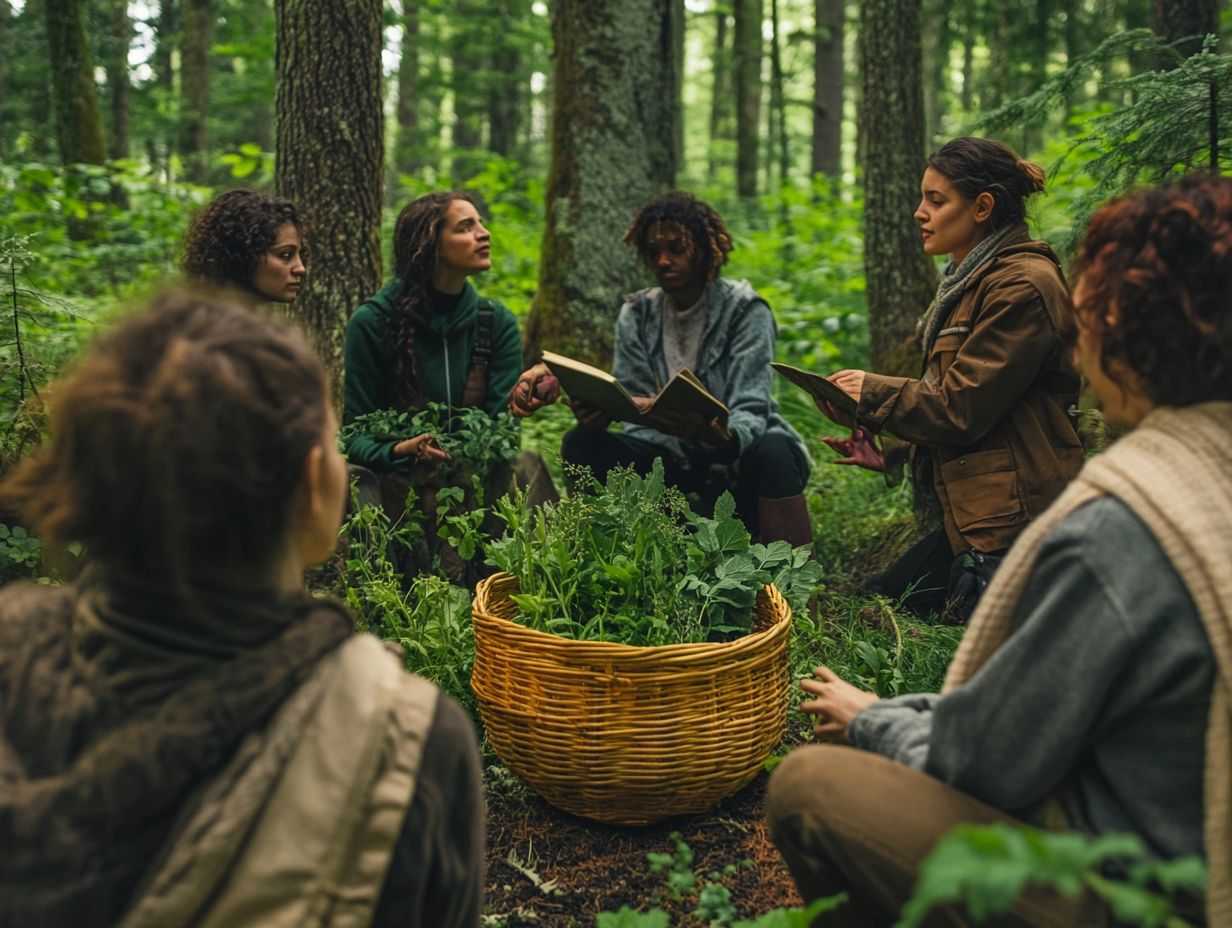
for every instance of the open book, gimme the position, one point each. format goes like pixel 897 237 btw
pixel 817 387
pixel 683 395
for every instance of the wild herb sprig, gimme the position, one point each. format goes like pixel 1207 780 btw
pixel 628 562
pixel 474 439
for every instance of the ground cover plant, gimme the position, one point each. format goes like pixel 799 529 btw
pixel 628 561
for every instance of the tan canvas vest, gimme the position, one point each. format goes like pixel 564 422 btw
pixel 300 829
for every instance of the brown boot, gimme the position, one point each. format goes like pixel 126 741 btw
pixel 784 519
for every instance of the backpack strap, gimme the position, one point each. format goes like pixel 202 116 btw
pixel 476 389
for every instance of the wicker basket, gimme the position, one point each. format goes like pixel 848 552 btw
pixel 625 734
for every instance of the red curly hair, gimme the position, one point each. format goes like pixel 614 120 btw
pixel 1159 264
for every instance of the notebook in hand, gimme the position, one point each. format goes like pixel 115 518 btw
pixel 817 387
pixel 683 395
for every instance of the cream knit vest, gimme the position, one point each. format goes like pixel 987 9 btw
pixel 1174 471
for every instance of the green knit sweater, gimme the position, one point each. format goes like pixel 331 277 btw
pixel 443 345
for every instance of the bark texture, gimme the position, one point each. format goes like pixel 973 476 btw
pixel 406 160
pixel 748 45
pixel 330 151
pixel 720 78
pixel 614 97
pixel 195 42
pixel 79 130
pixel 117 78
pixel 1184 19
pixel 828 88
pixel 900 278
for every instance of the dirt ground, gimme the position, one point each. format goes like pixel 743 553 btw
pixel 549 868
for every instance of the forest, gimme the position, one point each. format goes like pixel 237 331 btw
pixel 804 123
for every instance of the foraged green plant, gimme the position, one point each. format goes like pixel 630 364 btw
pixel 986 867
pixel 627 561
pixel 429 617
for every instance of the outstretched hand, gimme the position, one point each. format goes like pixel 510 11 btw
pixel 836 703
pixel 860 449
pixel 850 382
pixel 422 449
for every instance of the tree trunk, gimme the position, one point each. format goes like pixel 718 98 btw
pixel 1191 20
pixel 778 103
pixel 609 154
pixel 163 141
pixel 720 76
pixel 79 130
pixel 198 22
pixel 117 78
pixel 828 20
pixel 6 55
pixel 675 29
pixel 748 93
pixel 937 38
pixel 468 83
pixel 405 149
pixel 900 278
pixel 330 148
pixel 968 72
pixel 509 80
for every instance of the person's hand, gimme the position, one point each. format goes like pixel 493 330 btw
pixel 588 417
pixel 850 382
pixel 421 449
pixel 860 449
pixel 836 702
pixel 690 428
pixel 536 388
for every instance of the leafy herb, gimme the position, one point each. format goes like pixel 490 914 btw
pixel 474 439
pixel 629 562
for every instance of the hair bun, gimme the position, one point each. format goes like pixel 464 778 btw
pixel 1034 175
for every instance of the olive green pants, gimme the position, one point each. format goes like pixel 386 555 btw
pixel 850 821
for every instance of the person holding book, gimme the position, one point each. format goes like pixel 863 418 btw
pixel 187 736
pixel 722 332
pixel 428 336
pixel 1091 690
pixel 989 421
pixel 248 241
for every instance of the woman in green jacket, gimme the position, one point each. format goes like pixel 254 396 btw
pixel 428 336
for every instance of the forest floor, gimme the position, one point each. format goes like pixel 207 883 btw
pixel 546 867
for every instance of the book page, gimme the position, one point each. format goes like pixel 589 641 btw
pixel 592 386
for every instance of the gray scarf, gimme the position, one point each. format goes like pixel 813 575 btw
pixel 953 283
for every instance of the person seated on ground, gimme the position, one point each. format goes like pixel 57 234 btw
pixel 991 439
pixel 186 736
pixel 250 242
pixel 428 336
pixel 725 333
pixel 1093 683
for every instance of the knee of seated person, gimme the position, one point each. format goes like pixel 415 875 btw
pixel 573 446
pixel 815 777
pixel 770 450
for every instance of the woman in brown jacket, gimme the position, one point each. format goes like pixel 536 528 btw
pixel 988 421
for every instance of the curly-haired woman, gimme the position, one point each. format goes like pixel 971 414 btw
pixel 187 737
pixel 988 420
pixel 249 241
pixel 1092 689
pixel 428 336
pixel 725 333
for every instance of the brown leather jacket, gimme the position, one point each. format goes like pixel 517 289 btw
pixel 991 411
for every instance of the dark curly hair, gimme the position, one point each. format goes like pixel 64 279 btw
pixel 228 236
pixel 177 443
pixel 703 230
pixel 416 234
pixel 1160 263
pixel 974 166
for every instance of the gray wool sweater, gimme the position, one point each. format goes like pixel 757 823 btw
pixel 1099 697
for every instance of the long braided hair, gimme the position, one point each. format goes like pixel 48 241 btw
pixel 416 234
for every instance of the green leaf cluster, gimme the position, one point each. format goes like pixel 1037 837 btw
pixel 986 867
pixel 627 561
pixel 472 438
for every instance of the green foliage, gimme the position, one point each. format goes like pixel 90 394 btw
pixel 628 562
pixel 20 553
pixel 429 617
pixel 473 439
pixel 1172 121
pixel 987 867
